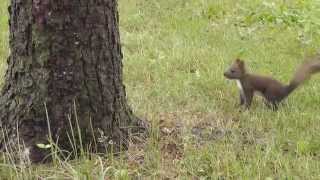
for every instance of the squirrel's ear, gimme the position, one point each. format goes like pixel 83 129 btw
pixel 240 62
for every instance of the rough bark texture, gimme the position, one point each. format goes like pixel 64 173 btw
pixel 65 56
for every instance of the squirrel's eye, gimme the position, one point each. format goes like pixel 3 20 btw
pixel 232 71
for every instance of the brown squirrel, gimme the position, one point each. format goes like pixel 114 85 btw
pixel 272 90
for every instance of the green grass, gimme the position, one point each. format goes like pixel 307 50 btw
pixel 4 47
pixel 175 53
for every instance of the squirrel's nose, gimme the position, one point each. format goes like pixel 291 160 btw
pixel 225 74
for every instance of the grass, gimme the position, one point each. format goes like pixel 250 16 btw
pixel 4 33
pixel 175 53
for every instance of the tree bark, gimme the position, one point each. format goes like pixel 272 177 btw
pixel 64 67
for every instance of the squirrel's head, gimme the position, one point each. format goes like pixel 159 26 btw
pixel 236 70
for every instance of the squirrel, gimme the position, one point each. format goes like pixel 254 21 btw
pixel 272 90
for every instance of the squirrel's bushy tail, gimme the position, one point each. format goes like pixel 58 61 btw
pixel 304 73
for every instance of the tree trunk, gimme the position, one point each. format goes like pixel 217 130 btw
pixel 64 67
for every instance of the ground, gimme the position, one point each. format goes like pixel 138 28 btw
pixel 175 53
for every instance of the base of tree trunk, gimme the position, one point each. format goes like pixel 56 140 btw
pixel 30 142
